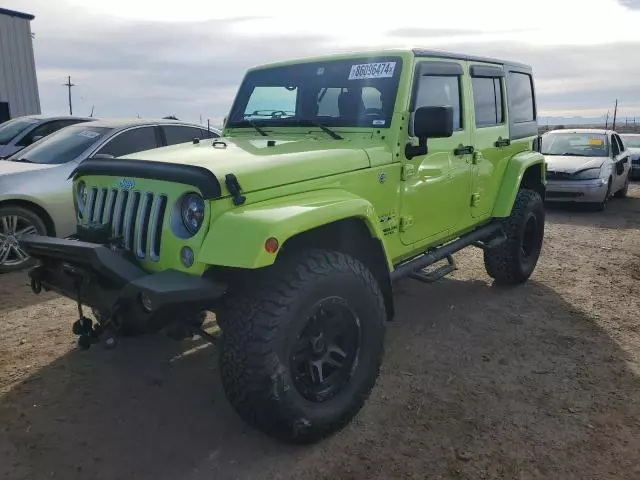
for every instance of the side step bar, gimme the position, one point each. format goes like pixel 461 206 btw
pixel 437 274
pixel 480 237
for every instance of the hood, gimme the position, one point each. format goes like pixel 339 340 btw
pixel 572 164
pixel 265 163
pixel 8 167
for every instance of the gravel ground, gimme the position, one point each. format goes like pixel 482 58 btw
pixel 539 381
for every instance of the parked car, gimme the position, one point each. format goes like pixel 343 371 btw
pixel 631 142
pixel 21 132
pixel 585 165
pixel 35 192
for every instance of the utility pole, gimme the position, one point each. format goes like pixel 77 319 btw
pixel 615 112
pixel 606 124
pixel 208 126
pixel 69 85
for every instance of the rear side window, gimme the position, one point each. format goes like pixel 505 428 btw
pixel 487 101
pixel 521 97
pixel 131 141
pixel 181 134
pixel 437 91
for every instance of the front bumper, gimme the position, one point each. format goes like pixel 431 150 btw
pixel 102 278
pixel 576 191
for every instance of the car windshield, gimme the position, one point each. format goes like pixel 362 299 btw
pixel 12 128
pixel 575 144
pixel 631 141
pixel 358 92
pixel 62 146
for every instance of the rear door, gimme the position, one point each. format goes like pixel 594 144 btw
pixel 491 135
pixel 622 163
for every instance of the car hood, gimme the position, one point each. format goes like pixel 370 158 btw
pixel 8 167
pixel 265 163
pixel 572 164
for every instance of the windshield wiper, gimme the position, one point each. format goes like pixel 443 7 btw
pixel 258 129
pixel 324 128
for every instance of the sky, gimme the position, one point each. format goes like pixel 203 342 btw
pixel 187 57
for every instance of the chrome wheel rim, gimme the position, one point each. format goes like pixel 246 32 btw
pixel 12 229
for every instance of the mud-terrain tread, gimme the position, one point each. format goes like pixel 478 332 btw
pixel 502 262
pixel 252 373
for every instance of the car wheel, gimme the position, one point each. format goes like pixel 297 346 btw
pixel 622 193
pixel 16 222
pixel 301 353
pixel 602 206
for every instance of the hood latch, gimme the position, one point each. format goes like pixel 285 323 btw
pixel 234 188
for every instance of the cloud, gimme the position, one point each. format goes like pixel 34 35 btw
pixel 130 66
pixel 631 4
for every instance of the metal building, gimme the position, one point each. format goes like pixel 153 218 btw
pixel 18 83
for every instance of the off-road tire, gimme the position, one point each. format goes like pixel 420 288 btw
pixel 507 263
pixel 35 221
pixel 622 193
pixel 261 326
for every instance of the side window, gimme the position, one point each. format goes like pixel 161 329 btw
pixel 180 134
pixel 436 91
pixel 488 101
pixel 41 131
pixel 615 147
pixel 208 134
pixel 620 143
pixel 521 98
pixel 131 141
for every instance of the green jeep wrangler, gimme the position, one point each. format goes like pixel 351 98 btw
pixel 334 177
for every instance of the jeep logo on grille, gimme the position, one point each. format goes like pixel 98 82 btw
pixel 127 184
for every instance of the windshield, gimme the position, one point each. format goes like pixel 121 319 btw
pixel 575 144
pixel 358 92
pixel 62 146
pixel 9 130
pixel 631 141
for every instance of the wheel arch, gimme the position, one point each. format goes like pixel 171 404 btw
pixel 525 170
pixel 35 208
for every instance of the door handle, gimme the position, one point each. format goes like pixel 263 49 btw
pixel 502 142
pixel 464 150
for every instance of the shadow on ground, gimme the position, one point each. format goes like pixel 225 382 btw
pixel 478 382
pixel 15 292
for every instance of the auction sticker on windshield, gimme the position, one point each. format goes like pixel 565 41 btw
pixel 88 134
pixel 372 70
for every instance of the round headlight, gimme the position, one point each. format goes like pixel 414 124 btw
pixel 81 197
pixel 192 209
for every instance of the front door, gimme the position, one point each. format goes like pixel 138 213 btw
pixel 491 136
pixel 436 185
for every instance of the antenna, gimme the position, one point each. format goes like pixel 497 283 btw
pixel 69 85
pixel 91 114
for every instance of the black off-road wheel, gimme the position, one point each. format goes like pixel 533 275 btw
pixel 513 261
pixel 301 353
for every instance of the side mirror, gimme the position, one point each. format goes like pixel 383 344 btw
pixel 429 122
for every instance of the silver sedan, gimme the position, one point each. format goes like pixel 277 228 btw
pixel 585 165
pixel 35 191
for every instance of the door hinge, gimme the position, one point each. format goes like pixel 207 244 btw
pixel 407 171
pixel 475 199
pixel 405 223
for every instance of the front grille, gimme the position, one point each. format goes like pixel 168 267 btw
pixel 135 218
pixel 551 175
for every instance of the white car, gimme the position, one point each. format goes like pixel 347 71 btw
pixel 585 165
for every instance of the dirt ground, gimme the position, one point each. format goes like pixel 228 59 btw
pixel 539 381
